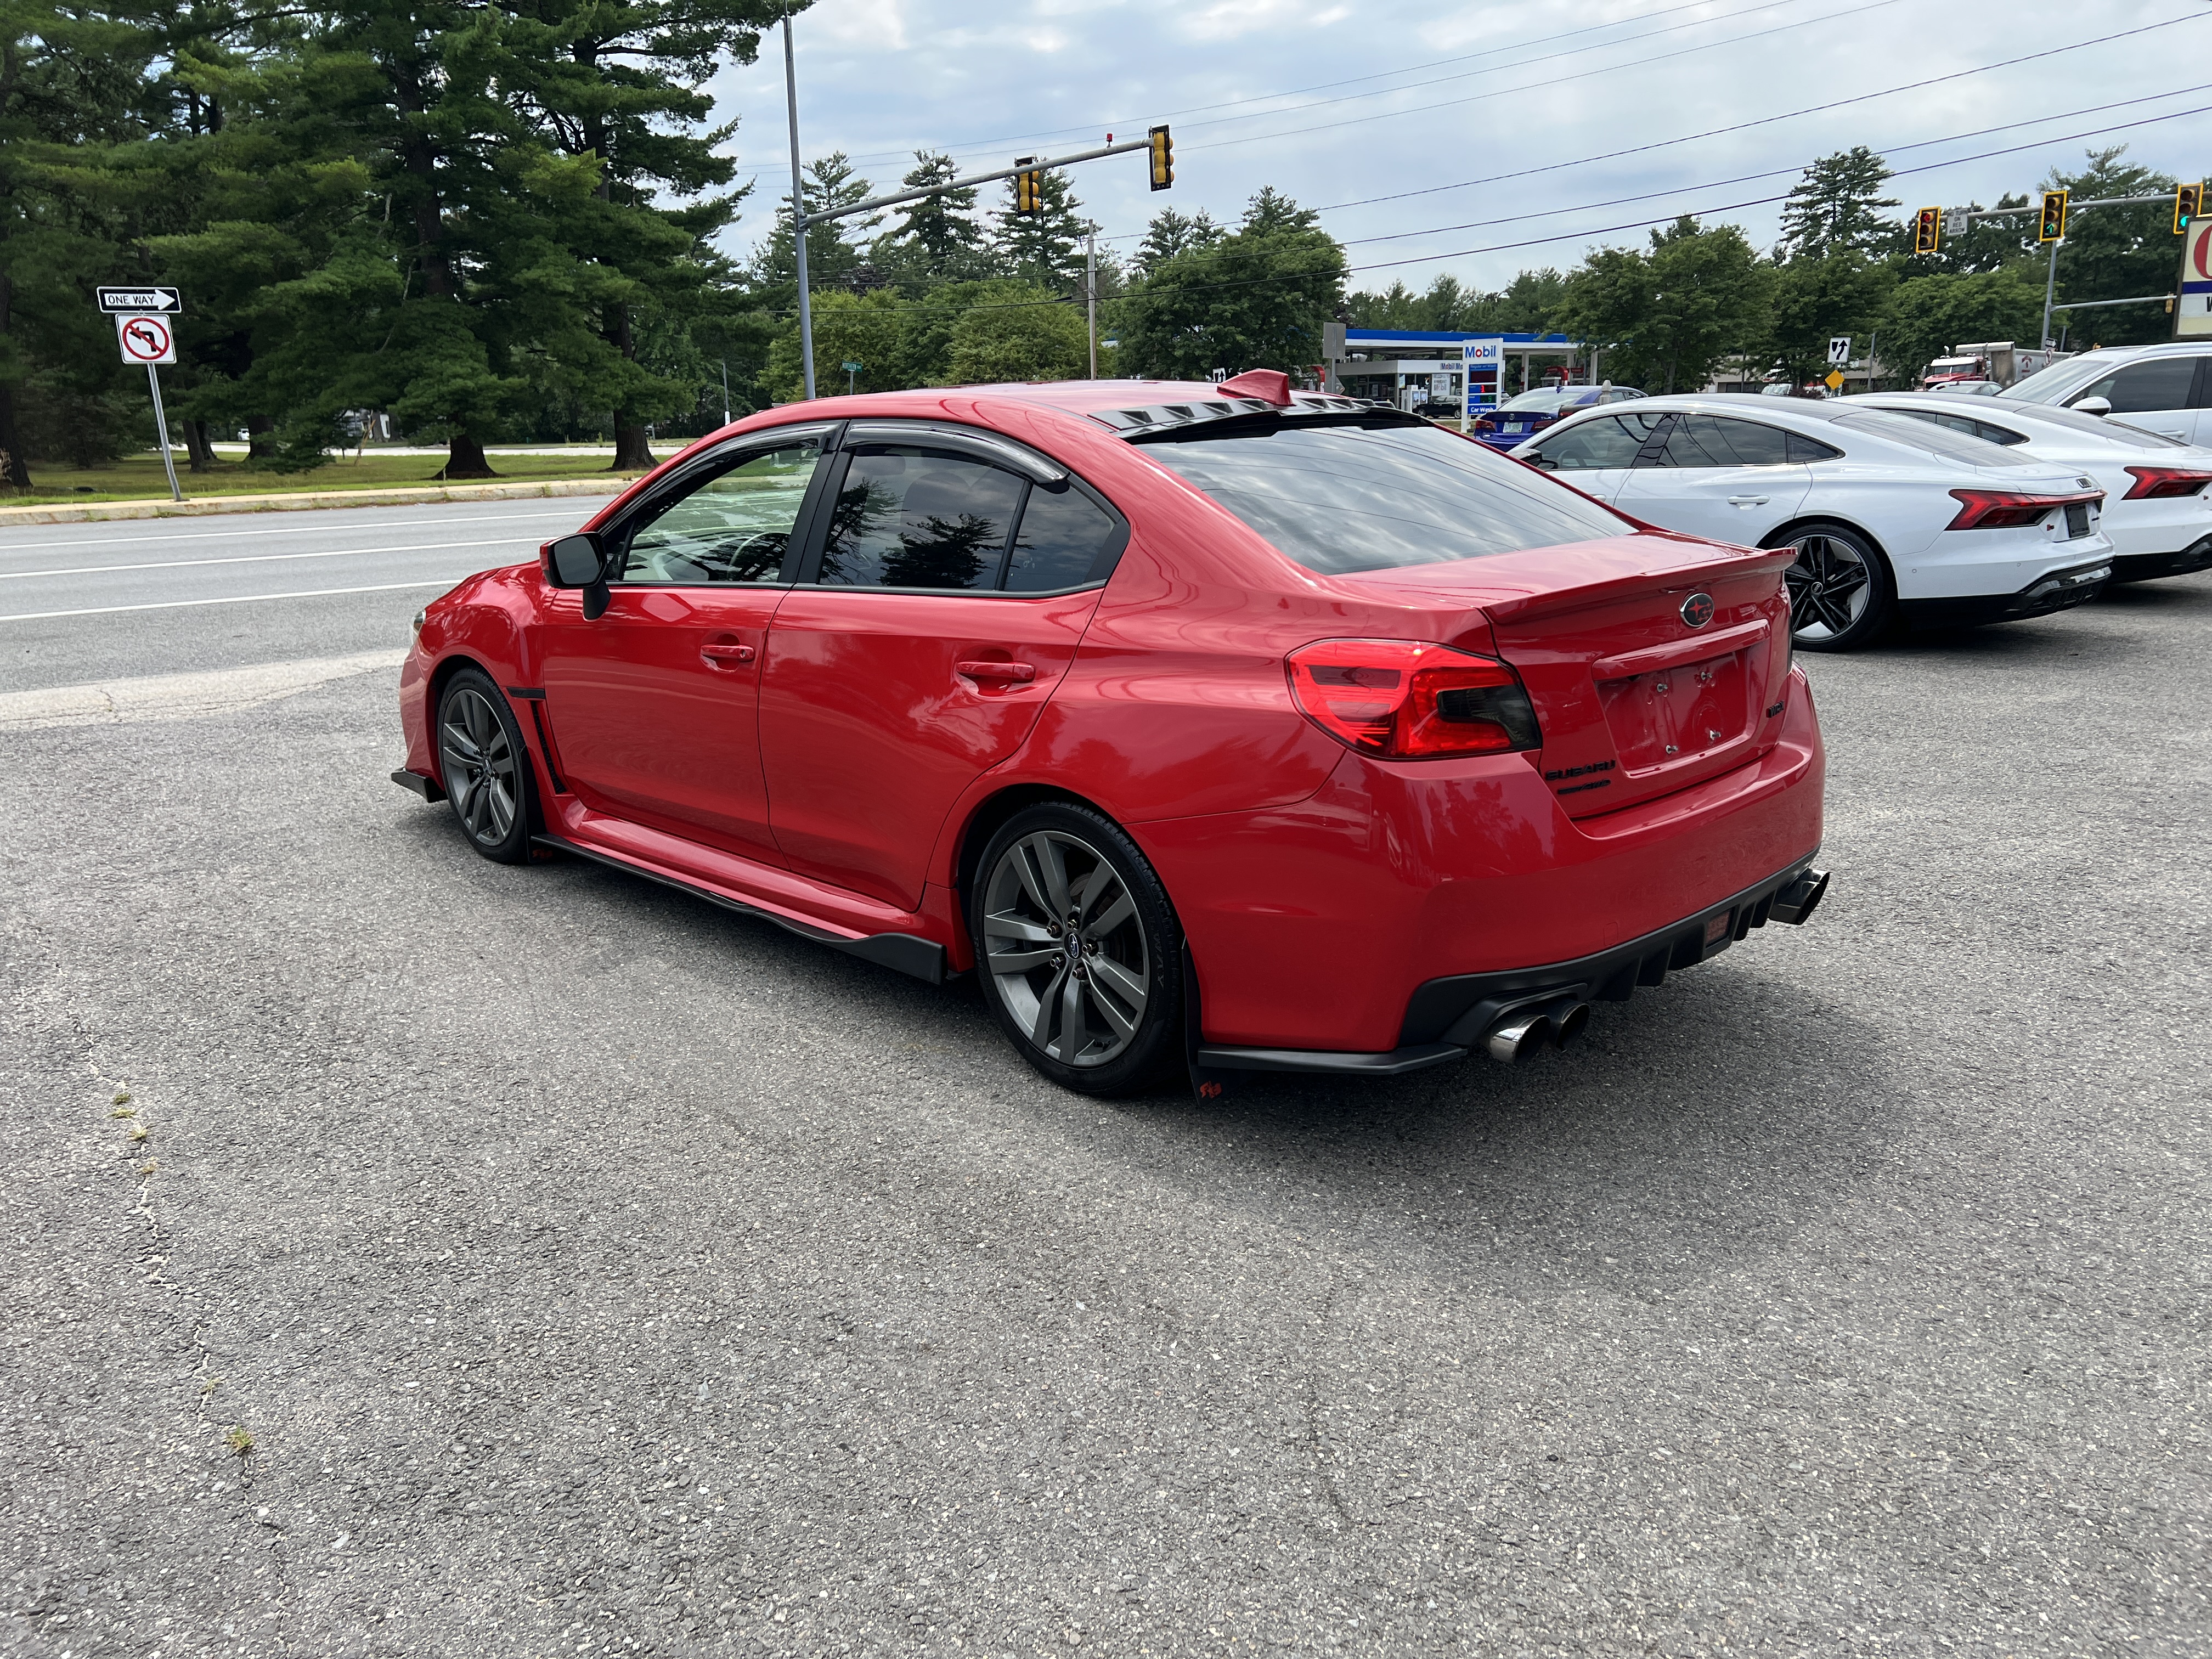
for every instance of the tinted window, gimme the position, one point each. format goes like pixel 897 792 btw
pixel 1984 430
pixel 909 518
pixel 1714 440
pixel 1544 399
pixel 1348 497
pixel 731 526
pixel 1062 535
pixel 2160 383
pixel 2114 430
pixel 2048 386
pixel 1588 446
pixel 1802 448
pixel 1619 394
pixel 1949 446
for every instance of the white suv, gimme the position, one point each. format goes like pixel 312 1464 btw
pixel 2165 388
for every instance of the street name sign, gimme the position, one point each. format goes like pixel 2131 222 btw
pixel 146 339
pixel 140 302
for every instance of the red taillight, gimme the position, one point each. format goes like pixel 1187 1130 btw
pixel 2005 509
pixel 1482 423
pixel 2156 482
pixel 1406 700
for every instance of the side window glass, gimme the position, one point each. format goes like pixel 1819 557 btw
pixel 1603 442
pixel 1996 434
pixel 1062 534
pixel 731 526
pixel 912 517
pixel 2160 384
pixel 1709 440
pixel 1645 429
pixel 1802 448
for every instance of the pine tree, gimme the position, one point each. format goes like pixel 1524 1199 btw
pixel 1836 208
pixel 1171 233
pixel 937 238
pixel 1044 248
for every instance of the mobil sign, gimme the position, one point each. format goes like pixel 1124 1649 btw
pixel 2192 306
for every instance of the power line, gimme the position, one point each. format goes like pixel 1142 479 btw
pixel 1325 86
pixel 1771 172
pixel 1584 235
pixel 1763 120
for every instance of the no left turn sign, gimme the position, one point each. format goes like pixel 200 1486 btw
pixel 146 339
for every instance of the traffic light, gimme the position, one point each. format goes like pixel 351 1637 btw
pixel 2052 226
pixel 2184 207
pixel 1926 229
pixel 1028 187
pixel 1163 158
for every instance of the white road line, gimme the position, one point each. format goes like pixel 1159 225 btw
pixel 264 558
pixel 290 530
pixel 161 697
pixel 237 598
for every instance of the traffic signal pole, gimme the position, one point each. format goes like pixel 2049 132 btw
pixel 801 222
pixel 1963 217
pixel 798 219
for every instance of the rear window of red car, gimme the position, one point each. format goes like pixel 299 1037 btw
pixel 1345 495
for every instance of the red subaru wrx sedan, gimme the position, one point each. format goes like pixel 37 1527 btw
pixel 1218 726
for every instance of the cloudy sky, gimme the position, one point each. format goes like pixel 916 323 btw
pixel 1338 102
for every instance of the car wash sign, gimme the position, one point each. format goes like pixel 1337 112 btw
pixel 2193 303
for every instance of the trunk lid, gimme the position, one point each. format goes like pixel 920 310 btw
pixel 1635 701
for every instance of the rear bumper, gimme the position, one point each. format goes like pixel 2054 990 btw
pixel 2146 567
pixel 1313 926
pixel 1447 1018
pixel 2055 590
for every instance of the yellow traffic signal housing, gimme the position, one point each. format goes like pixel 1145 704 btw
pixel 2186 203
pixel 1163 158
pixel 2052 226
pixel 1029 189
pixel 1927 230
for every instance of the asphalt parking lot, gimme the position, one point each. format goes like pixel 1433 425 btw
pixel 596 1271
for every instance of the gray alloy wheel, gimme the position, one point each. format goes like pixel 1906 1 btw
pixel 486 772
pixel 1062 941
pixel 1840 594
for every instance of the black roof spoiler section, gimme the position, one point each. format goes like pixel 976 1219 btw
pixel 1162 417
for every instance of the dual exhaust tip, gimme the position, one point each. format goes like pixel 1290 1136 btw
pixel 1525 1031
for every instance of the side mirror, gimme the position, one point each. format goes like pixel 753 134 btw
pixel 578 560
pixel 2100 407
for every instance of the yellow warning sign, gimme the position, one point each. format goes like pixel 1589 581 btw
pixel 1835 380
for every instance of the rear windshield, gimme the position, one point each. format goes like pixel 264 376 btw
pixel 1938 440
pixel 1544 398
pixel 1372 495
pixel 2048 385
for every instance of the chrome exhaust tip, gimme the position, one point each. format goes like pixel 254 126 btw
pixel 1521 1037
pixel 1795 904
pixel 1567 1023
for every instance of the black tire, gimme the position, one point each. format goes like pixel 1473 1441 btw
pixel 485 767
pixel 1055 868
pixel 1842 596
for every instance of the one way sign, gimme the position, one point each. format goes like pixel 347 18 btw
pixel 140 302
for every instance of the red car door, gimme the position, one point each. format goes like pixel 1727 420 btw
pixel 919 654
pixel 655 706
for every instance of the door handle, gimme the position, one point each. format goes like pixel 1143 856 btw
pixel 723 656
pixel 1747 500
pixel 999 673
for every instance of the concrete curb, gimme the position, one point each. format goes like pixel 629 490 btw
pixel 58 512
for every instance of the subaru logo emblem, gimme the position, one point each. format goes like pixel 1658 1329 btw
pixel 1697 610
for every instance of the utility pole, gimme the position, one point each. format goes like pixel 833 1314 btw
pixel 2050 293
pixel 726 392
pixel 799 222
pixel 1091 297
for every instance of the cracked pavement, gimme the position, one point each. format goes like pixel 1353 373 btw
pixel 595 1271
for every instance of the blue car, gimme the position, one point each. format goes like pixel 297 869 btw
pixel 1518 419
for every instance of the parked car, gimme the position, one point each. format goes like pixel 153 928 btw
pixel 2165 388
pixel 2157 513
pixel 1892 518
pixel 1518 419
pixel 1968 388
pixel 1218 725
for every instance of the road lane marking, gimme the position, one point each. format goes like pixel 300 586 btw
pixel 235 599
pixel 262 558
pixel 288 530
pixel 155 698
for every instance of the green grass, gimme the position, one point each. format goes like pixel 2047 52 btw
pixel 140 478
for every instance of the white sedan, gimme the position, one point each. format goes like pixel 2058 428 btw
pixel 2158 510
pixel 1894 518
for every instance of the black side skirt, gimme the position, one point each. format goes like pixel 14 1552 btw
pixel 910 953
